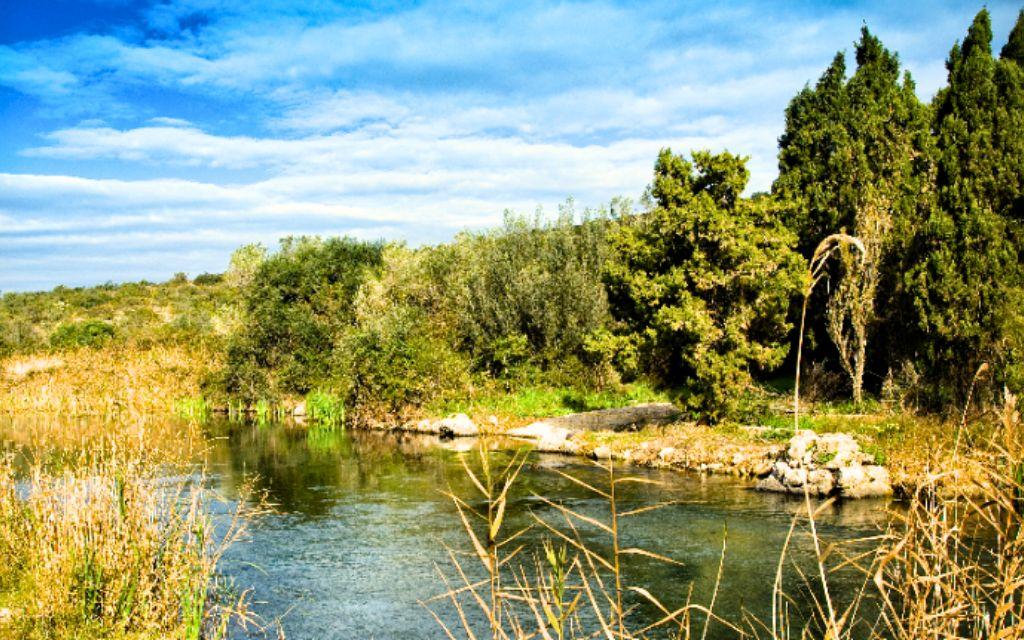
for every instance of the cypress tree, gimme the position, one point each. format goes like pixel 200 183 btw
pixel 1014 47
pixel 856 158
pixel 966 258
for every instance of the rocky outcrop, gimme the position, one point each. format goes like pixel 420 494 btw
pixel 547 436
pixel 457 425
pixel 555 435
pixel 621 419
pixel 830 464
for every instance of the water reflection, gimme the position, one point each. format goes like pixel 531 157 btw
pixel 361 521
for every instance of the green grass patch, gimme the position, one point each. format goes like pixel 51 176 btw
pixel 543 401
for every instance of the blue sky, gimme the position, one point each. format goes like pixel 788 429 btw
pixel 138 139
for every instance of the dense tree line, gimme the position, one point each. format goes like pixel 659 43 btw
pixel 698 291
pixel 934 191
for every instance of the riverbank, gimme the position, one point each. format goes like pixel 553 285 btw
pixel 162 380
pixel 882 454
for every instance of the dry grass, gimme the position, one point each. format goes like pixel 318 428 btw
pixel 949 564
pixel 106 548
pixel 114 380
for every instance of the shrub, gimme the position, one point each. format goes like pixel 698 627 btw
pixel 701 285
pixel 297 306
pixel 400 351
pixel 88 333
pixel 205 279
pixel 530 290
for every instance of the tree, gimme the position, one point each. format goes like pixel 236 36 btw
pixel 297 306
pixel 856 158
pixel 966 258
pixel 244 263
pixel 701 284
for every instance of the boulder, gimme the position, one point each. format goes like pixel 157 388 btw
pixel 547 436
pixel 620 419
pixel 830 464
pixel 458 425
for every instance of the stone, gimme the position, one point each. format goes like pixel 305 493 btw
pixel 300 409
pixel 603 452
pixel 824 465
pixel 458 425
pixel 801 448
pixel 864 481
pixel 619 419
pixel 771 483
pixel 547 437
pixel 820 482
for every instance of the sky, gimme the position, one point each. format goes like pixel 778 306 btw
pixel 141 139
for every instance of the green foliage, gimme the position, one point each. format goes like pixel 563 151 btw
pixel 540 401
pixel 399 353
pixel 326 408
pixel 966 259
pixel 529 290
pixel 857 157
pixel 206 279
pixel 245 262
pixel 296 307
pixel 701 284
pixel 88 333
pixel 141 313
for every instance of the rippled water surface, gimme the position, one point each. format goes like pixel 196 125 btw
pixel 360 523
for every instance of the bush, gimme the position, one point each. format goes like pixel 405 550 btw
pixel 206 279
pixel 400 351
pixel 701 285
pixel 297 306
pixel 88 333
pixel 530 290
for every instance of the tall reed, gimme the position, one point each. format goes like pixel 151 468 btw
pixel 107 548
pixel 948 563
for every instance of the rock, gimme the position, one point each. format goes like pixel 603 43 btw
pixel 603 452
pixel 864 481
pixel 801 448
pixel 299 411
pixel 762 467
pixel 457 425
pixel 820 482
pixel 825 465
pixel 666 454
pixel 771 483
pixel 548 437
pixel 621 419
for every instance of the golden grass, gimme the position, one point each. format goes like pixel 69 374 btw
pixel 107 549
pixel 949 563
pixel 114 380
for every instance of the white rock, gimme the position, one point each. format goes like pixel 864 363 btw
pixel 457 425
pixel 548 437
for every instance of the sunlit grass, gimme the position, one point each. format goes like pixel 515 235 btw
pixel 113 380
pixel 111 547
pixel 534 401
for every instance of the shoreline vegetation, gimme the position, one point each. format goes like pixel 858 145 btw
pixel 884 269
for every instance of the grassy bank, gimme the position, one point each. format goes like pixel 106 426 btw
pixel 105 547
pixel 115 379
pixel 947 564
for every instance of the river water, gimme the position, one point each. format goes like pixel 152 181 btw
pixel 361 520
pixel 360 524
